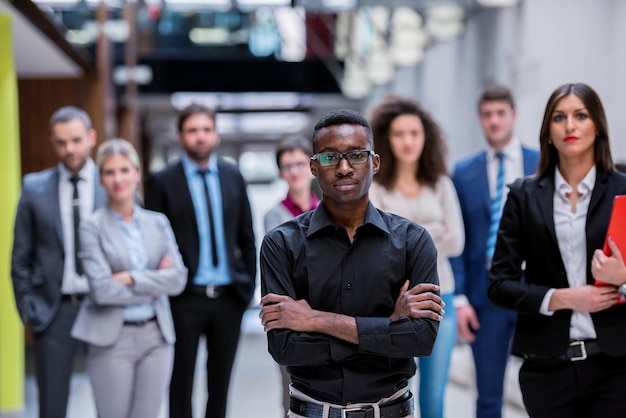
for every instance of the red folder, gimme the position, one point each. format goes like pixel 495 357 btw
pixel 617 231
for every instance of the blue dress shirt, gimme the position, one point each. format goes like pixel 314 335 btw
pixel 208 274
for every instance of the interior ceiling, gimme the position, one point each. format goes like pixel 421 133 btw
pixel 41 51
pixel 36 56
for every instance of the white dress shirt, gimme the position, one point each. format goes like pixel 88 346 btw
pixel 72 282
pixel 572 239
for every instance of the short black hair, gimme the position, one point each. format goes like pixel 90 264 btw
pixel 496 93
pixel 194 109
pixel 342 117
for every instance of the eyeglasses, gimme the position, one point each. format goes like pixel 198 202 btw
pixel 299 165
pixel 332 159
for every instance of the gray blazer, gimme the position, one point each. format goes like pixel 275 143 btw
pixel 38 254
pixel 103 252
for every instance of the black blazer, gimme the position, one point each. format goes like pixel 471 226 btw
pixel 167 192
pixel 527 234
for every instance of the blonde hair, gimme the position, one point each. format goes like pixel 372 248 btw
pixel 117 146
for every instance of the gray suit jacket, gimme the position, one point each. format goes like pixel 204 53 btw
pixel 38 253
pixel 103 252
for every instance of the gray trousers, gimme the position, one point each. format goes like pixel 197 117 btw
pixel 130 379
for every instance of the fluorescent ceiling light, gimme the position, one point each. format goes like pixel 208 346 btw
pixel 259 3
pixel 209 4
pixel 339 4
pixel 209 36
pixel 229 101
pixel 498 3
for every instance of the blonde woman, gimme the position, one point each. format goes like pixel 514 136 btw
pixel 133 265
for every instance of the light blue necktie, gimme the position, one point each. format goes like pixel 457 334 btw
pixel 496 206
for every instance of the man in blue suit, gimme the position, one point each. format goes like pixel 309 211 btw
pixel 480 183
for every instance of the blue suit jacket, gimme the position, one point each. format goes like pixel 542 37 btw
pixel 472 187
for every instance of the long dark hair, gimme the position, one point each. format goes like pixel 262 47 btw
pixel 432 161
pixel 549 157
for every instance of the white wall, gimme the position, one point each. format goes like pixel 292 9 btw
pixel 533 48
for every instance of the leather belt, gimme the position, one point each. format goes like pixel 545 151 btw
pixel 139 322
pixel 580 350
pixel 396 409
pixel 212 292
pixel 74 298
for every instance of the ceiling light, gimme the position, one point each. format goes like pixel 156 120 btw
pixel 498 3
pixel 355 84
pixel 445 22
pixel 209 36
pixel 380 69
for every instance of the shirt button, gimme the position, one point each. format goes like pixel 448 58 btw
pixel 349 286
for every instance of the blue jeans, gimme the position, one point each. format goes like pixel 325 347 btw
pixel 434 369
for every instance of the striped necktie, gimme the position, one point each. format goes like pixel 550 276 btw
pixel 496 207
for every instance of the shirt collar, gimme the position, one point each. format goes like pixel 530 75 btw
pixel 584 187
pixel 320 220
pixel 86 173
pixel 191 167
pixel 118 216
pixel 512 150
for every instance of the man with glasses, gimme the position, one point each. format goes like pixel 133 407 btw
pixel 350 293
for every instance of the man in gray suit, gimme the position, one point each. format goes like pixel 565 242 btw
pixel 47 277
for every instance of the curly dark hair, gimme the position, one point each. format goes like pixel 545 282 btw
pixel 432 161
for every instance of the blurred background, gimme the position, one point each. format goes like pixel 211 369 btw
pixel 273 67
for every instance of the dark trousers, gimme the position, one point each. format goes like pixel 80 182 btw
pixel 491 354
pixel 591 388
pixel 220 321
pixel 55 351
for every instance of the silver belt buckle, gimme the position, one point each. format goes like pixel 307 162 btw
pixel 583 350
pixel 211 292
pixel 346 411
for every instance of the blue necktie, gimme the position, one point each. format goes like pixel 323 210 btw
pixel 496 206
pixel 211 222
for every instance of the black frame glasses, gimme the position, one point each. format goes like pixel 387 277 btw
pixel 332 159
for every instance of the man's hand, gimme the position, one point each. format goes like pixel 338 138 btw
pixel 418 302
pixel 283 312
pixel 467 322
pixel 611 269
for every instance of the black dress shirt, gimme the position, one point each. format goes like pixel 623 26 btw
pixel 311 258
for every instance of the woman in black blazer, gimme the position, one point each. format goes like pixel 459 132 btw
pixel 570 333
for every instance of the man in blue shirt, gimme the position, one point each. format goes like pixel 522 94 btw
pixel 205 199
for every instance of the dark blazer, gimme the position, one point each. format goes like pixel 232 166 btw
pixel 472 187
pixel 168 192
pixel 527 234
pixel 38 253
